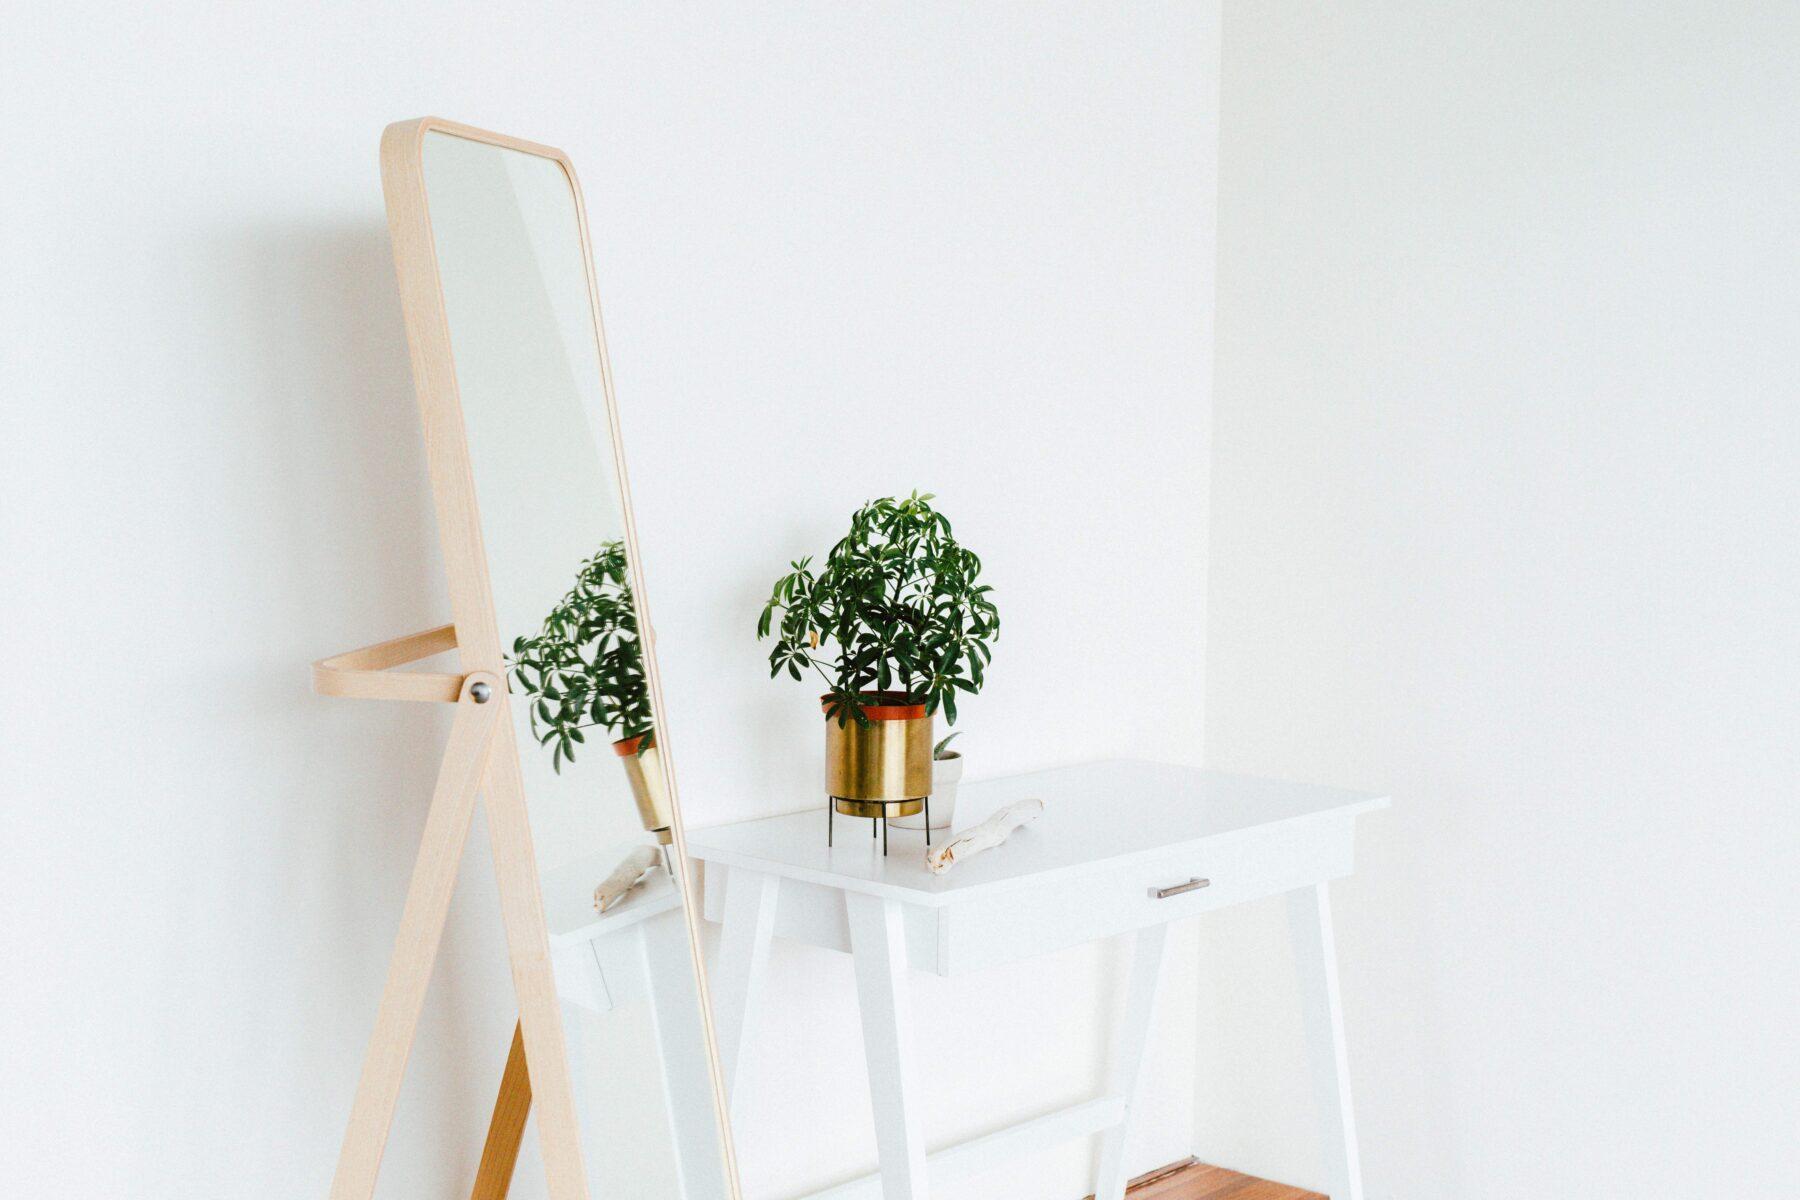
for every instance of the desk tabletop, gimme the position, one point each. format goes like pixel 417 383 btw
pixel 1096 815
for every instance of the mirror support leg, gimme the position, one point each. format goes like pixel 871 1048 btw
pixel 506 1132
pixel 415 949
pixel 534 983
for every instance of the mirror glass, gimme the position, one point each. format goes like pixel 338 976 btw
pixel 529 366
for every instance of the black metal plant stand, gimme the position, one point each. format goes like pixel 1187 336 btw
pixel 831 804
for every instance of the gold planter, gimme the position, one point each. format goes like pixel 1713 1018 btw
pixel 882 768
pixel 649 786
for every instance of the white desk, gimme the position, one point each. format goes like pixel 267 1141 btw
pixel 1112 835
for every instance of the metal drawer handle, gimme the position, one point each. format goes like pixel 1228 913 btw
pixel 1192 885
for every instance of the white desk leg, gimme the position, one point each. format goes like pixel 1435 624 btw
pixel 674 995
pixel 750 899
pixel 1315 954
pixel 1131 1041
pixel 878 942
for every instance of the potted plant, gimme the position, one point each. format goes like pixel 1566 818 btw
pixel 585 670
pixel 896 624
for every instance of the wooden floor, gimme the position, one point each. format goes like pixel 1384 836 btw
pixel 1197 1181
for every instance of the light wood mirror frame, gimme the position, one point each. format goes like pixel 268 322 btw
pixel 482 753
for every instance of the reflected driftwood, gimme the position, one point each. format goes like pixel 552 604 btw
pixel 632 870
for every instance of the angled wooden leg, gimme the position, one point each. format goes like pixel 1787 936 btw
pixel 507 1129
pixel 466 756
pixel 750 902
pixel 1131 1041
pixel 528 947
pixel 878 942
pixel 1315 954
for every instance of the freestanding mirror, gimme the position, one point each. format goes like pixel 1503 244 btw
pixel 558 710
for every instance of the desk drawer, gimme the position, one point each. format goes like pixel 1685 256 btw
pixel 1038 918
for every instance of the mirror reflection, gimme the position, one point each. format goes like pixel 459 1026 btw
pixel 529 367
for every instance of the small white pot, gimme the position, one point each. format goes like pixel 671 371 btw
pixel 946 773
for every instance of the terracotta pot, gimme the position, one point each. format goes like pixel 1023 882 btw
pixel 649 787
pixel 887 760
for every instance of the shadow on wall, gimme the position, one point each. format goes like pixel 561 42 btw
pixel 343 552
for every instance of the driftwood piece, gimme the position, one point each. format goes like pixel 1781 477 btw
pixel 632 870
pixel 985 836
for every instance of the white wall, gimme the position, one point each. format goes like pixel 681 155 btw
pixel 1504 518
pixel 844 252
pixel 964 250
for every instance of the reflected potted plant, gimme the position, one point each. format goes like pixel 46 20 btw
pixel 896 624
pixel 585 670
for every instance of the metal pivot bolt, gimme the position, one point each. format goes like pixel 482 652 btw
pixel 480 692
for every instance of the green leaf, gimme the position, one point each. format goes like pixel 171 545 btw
pixel 893 606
